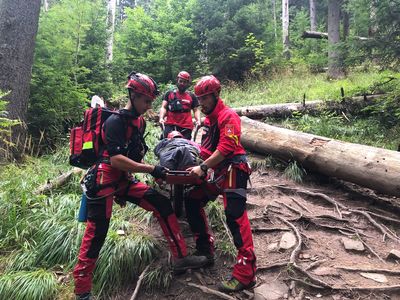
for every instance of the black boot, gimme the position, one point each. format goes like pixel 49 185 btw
pixel 180 265
pixel 210 257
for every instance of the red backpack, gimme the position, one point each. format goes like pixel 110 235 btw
pixel 85 140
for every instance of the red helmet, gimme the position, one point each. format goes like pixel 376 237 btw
pixel 174 134
pixel 184 75
pixel 142 84
pixel 207 85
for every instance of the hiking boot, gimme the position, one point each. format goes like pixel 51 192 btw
pixel 180 265
pixel 234 285
pixel 208 255
pixel 85 296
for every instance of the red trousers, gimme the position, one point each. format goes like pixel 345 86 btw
pixel 99 213
pixel 232 184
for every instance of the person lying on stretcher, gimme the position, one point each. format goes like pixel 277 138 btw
pixel 177 154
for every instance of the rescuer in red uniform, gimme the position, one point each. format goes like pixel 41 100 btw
pixel 109 179
pixel 177 106
pixel 222 151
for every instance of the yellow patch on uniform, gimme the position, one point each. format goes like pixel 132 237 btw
pixel 230 132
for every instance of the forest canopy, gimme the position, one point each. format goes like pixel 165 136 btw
pixel 233 39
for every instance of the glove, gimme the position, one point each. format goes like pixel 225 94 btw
pixel 159 172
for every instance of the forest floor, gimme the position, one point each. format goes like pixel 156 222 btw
pixel 317 217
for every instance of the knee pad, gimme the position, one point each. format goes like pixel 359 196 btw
pixel 160 203
pixel 235 205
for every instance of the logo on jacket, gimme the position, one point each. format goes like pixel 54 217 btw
pixel 230 132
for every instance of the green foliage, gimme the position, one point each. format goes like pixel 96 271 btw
pixel 5 123
pixel 121 259
pixel 223 27
pixel 294 172
pixel 41 231
pixel 366 130
pixel 261 61
pixel 158 278
pixel 379 21
pixel 159 42
pixel 69 65
pixel 387 109
pixel 308 52
pixel 292 87
pixel 38 285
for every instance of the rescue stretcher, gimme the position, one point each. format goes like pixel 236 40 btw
pixel 179 181
pixel 181 177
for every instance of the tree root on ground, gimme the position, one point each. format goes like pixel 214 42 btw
pixel 211 291
pixel 373 270
pixel 139 282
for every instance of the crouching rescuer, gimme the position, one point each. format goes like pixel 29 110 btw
pixel 109 178
pixel 222 151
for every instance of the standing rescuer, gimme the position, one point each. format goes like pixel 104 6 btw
pixel 222 151
pixel 177 106
pixel 110 177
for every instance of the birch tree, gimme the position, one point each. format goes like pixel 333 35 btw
pixel 285 28
pixel 111 10
pixel 45 5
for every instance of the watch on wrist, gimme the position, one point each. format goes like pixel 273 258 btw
pixel 204 168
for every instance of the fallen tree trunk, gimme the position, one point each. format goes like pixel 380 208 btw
pixel 371 167
pixel 57 182
pixel 323 35
pixel 283 110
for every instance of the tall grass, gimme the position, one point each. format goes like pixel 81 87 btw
pixel 121 259
pixel 292 87
pixel 40 232
pixel 366 131
pixel 38 285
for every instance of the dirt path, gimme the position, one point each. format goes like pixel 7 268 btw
pixel 323 215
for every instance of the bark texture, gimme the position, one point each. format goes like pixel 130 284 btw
pixel 112 5
pixel 18 27
pixel 371 167
pixel 313 16
pixel 335 65
pixel 285 28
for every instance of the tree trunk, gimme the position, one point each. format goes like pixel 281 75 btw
pixel 284 110
pixel 314 35
pixel 285 28
pixel 18 27
pixel 45 5
pixel 335 66
pixel 372 29
pixel 346 24
pixel 324 35
pixel 371 167
pixel 275 23
pixel 313 16
pixel 111 9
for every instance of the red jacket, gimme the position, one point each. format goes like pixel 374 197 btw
pixel 221 132
pixel 180 118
